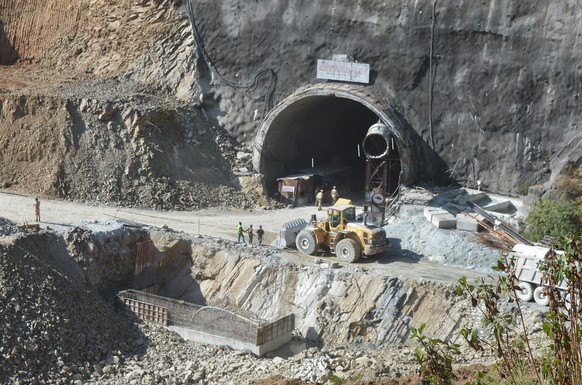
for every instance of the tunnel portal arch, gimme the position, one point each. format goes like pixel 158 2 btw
pixel 326 124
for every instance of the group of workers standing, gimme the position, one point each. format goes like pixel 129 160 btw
pixel 319 197
pixel 260 232
pixel 250 233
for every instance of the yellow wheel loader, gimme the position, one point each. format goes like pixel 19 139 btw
pixel 343 235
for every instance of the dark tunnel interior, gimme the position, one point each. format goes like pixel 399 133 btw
pixel 324 132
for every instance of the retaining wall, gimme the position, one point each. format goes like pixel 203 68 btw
pixel 207 324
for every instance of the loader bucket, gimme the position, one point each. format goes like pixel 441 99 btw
pixel 288 233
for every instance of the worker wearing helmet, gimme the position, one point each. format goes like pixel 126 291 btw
pixel 334 195
pixel 318 199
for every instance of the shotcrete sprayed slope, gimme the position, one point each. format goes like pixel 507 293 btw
pixel 496 81
pixel 491 86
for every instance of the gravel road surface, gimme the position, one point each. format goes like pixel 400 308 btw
pixel 419 251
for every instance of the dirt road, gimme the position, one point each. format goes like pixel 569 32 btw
pixel 60 215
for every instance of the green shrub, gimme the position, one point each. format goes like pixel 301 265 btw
pixel 554 218
pixel 523 188
pixel 435 357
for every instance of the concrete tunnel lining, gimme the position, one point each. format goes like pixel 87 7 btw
pixel 307 122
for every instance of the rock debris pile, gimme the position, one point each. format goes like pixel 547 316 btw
pixel 7 227
pixel 51 327
pixel 418 239
pixel 181 195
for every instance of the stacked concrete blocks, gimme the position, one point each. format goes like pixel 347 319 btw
pixel 441 218
pixel 467 223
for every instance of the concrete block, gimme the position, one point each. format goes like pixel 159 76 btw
pixel 430 211
pixel 427 212
pixel 444 221
pixel 480 218
pixel 206 338
pixel 500 207
pixel 467 223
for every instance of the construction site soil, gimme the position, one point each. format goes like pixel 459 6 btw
pixel 352 320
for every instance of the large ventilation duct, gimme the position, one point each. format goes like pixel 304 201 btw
pixel 376 142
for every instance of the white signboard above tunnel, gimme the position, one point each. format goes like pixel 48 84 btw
pixel 343 71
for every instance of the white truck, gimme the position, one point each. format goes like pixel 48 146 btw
pixel 527 259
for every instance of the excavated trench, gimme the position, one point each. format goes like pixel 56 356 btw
pixel 342 306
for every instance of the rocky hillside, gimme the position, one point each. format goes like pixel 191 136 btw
pixel 119 101
pixel 101 107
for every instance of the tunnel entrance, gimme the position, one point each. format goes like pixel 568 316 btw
pixel 326 124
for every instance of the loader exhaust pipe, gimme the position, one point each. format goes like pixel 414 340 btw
pixel 365 219
pixel 376 144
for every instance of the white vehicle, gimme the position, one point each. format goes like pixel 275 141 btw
pixel 527 259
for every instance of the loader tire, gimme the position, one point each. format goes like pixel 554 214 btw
pixel 306 242
pixel 540 296
pixel 348 250
pixel 525 291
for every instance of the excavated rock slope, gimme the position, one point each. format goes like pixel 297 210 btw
pixel 100 107
pixel 56 328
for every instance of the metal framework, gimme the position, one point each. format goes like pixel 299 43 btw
pixel 378 181
pixel 145 267
pixel 376 175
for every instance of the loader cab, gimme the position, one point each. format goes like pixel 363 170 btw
pixel 339 215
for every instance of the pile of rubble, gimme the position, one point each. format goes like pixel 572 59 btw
pixel 51 327
pixel 169 195
pixel 419 239
pixel 7 227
